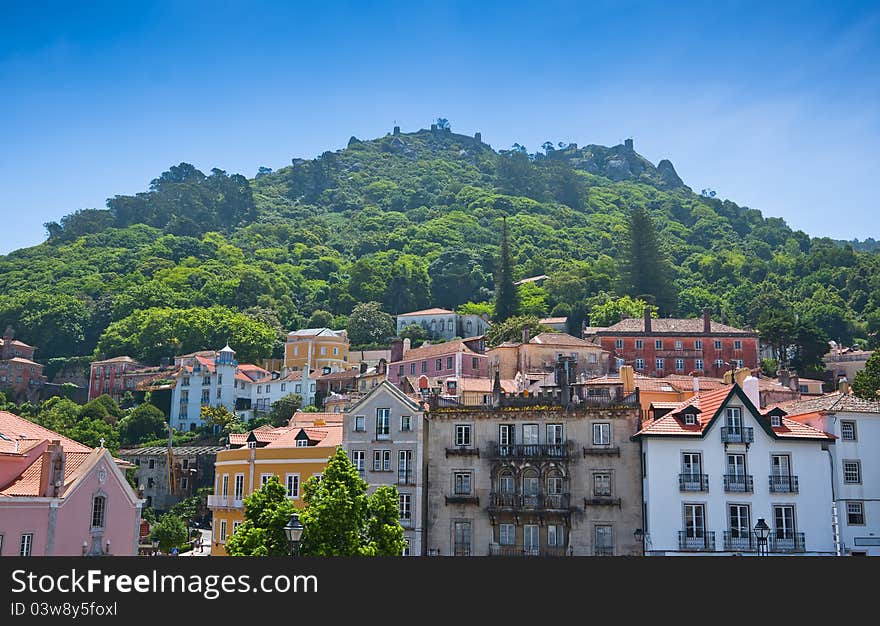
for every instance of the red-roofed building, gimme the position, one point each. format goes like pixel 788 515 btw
pixel 661 346
pixel 714 464
pixel 458 358
pixel 59 497
pixel 20 376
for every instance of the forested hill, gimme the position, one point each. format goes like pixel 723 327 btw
pixel 409 220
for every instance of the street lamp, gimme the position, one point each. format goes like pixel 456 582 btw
pixel 294 531
pixel 762 531
pixel 155 547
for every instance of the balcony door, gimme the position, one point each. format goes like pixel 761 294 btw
pixel 692 471
pixel 531 542
pixel 780 465
pixel 734 420
pixel 740 522
pixel 736 465
pixel 695 521
pixel 784 520
pixel 506 438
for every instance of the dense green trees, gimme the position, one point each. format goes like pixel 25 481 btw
pixel 368 324
pixel 340 519
pixel 506 295
pixel 512 329
pixel 411 221
pixel 266 512
pixel 284 408
pixel 144 423
pixel 867 382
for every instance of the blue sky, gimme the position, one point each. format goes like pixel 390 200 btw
pixel 774 105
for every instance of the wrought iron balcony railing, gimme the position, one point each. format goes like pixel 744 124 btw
pixel 787 542
pixel 530 451
pixel 739 541
pixel 517 501
pixel 738 483
pixel 693 482
pixel 737 434
pixel 701 541
pixel 783 484
pixel 520 551
pixel 603 551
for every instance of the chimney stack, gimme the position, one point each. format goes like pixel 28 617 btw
pixel 406 345
pixel 843 385
pixel 496 390
pixel 363 367
pixel 696 385
pixel 647 320
pixel 52 469
pixel 707 322
pixel 627 377
pixel 794 381
pixel 753 393
pixel 396 349
pixel 782 376
pixel 525 335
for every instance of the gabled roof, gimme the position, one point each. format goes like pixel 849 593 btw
pixel 12 427
pixel 343 375
pixel 428 312
pixel 707 407
pixel 18 359
pixel 387 387
pixel 15 342
pixel 326 436
pixel 440 349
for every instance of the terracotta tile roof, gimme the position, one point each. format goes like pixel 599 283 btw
pixel 12 426
pixel 683 382
pixel 302 418
pixel 553 320
pixel 429 312
pixel 670 325
pixel 791 428
pixel 116 359
pixel 262 436
pixel 559 339
pixel 836 402
pixel 290 377
pixel 352 373
pixel 18 359
pixel 436 350
pixel 28 482
pixel 15 342
pixel 664 405
pixel 331 435
pixel 315 332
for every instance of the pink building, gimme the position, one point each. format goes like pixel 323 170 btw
pixel 457 358
pixel 61 498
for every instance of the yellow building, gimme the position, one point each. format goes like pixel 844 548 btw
pixel 317 348
pixel 293 453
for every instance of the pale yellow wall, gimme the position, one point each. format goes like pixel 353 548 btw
pixel 533 357
pixel 336 361
pixel 279 461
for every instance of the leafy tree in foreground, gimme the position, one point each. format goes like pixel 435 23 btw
pixel 266 512
pixel 415 333
pixel 170 531
pixel 145 422
pixel 867 381
pixel 645 269
pixel 341 520
pixel 612 310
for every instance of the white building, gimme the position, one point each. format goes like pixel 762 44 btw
pixel 856 424
pixel 384 436
pixel 715 465
pixel 211 379
pixel 269 389
pixel 444 324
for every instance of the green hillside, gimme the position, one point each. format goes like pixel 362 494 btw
pixel 410 220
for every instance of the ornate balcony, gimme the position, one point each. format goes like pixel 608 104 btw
pixel 705 542
pixel 737 542
pixel 531 451
pixel 738 483
pixel 787 542
pixel 462 451
pixel 783 484
pixel 520 502
pixel 693 482
pixel 520 551
pixel 224 502
pixel 737 434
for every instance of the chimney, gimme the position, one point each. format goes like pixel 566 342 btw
pixel 696 385
pixel 525 335
pixel 794 381
pixel 363 367
pixel 843 385
pixel 562 379
pixel 647 321
pixel 52 469
pixel 728 377
pixel 741 374
pixel 496 390
pixel 406 344
pixel 707 322
pixel 750 386
pixel 782 375
pixel 382 368
pixel 627 377
pixel 396 349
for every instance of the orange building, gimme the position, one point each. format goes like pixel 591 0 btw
pixel 317 348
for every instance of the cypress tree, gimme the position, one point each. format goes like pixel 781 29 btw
pixel 506 294
pixel 645 272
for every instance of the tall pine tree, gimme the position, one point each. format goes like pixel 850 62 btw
pixel 645 271
pixel 506 294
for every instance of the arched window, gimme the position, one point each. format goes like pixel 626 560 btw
pixel 99 506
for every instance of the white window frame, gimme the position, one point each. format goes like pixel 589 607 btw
pixel 531 434
pixel 858 508
pixel 601 487
pixel 603 430
pixel 291 484
pixel 555 434
pixel 225 488
pixel 851 424
pixel 383 423
pixel 358 459
pixel 460 480
pixel 238 493
pixel 26 544
pixel 660 363
pixel 698 365
pixel 222 531
pixel 857 464
pixel 264 478
pixel 640 364
pixel 464 435
pixel 404 503
pixel 555 536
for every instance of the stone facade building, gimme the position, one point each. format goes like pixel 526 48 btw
pixel 384 437
pixel 444 324
pixel 534 476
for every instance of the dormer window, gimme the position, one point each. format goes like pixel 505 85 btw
pixel 775 421
pixel 690 419
pixel 251 444
pixel 302 443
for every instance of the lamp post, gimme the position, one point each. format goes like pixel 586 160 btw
pixel 155 547
pixel 762 531
pixel 294 531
